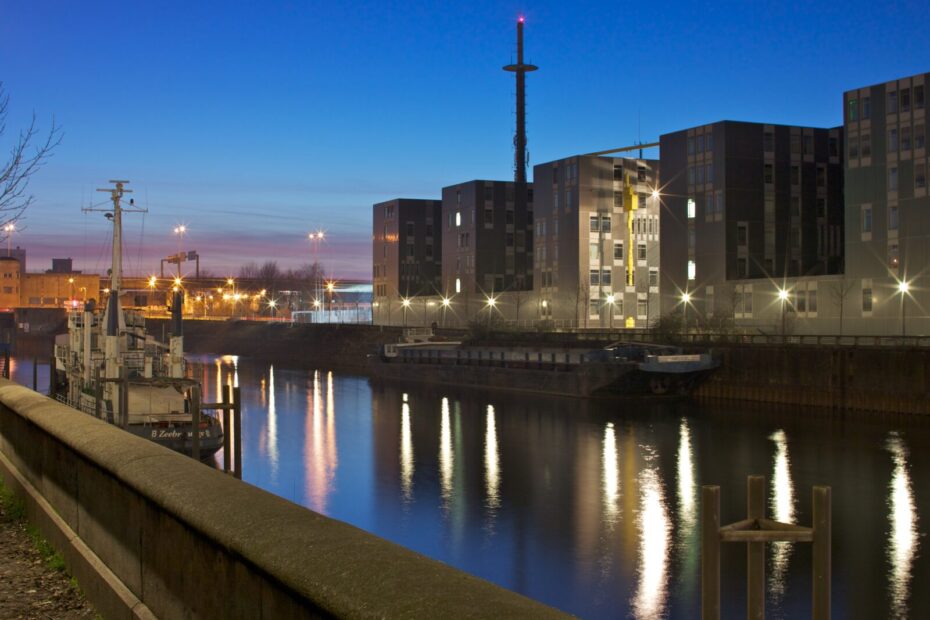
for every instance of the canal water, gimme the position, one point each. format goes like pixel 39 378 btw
pixel 590 506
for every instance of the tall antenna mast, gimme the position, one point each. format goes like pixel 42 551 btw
pixel 116 195
pixel 519 139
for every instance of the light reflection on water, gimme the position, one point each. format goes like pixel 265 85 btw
pixel 902 539
pixel 782 507
pixel 589 506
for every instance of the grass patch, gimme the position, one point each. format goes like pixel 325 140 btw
pixel 14 510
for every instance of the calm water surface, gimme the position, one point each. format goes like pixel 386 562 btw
pixel 590 506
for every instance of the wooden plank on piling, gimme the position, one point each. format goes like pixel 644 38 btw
pixel 710 552
pixel 755 551
pixel 822 568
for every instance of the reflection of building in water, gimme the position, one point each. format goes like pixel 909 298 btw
pixel 685 471
pixel 782 507
pixel 655 528
pixel 902 539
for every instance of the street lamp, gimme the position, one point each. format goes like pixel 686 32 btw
pixel 179 231
pixel 446 302
pixel 685 301
pixel 903 288
pixel 272 304
pixel 610 309
pixel 405 303
pixel 783 296
pixel 491 303
pixel 9 229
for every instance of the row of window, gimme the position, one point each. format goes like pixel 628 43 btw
pixel 700 144
pixel 897 101
pixel 698 175
pixel 904 143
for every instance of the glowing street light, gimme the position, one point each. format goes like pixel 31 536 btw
pixel 230 282
pixel 405 303
pixel 9 229
pixel 685 301
pixel 152 281
pixel 903 288
pixel 491 303
pixel 272 304
pixel 783 296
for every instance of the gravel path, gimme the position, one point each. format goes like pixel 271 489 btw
pixel 29 586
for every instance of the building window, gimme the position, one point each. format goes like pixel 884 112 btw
pixel 699 171
pixel 709 173
pixel 812 301
pixel 489 218
pixel 866 219
pixel 690 148
pixel 892 217
pixel 795 206
pixel 892 140
pixel 795 237
pixel 742 234
pixel 458 285
pixel 768 173
pixel 709 205
pixel 690 175
pixel 641 173
pixel 595 277
pixel 866 298
pixel 918 136
pixel 700 144
pixel 691 209
pixel 808 145
pixel 920 175
pixel 618 250
pixel 865 145
pixel 458 218
pixel 709 144
pixel 905 138
pixel 605 277
pixel 853 108
pixel 853 147
pixel 508 217
pixel 893 102
pixel 605 223
pixel 795 175
pixel 595 223
pixel 821 176
pixel 641 251
pixel 653 276
pixel 919 97
pixel 692 270
pixel 893 179
pixel 795 144
pixel 594 251
pixel 833 146
pixel 768 142
pixel 866 107
pixel 800 301
pixel 509 240
pixel 905 99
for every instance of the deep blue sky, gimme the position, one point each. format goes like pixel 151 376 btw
pixel 256 122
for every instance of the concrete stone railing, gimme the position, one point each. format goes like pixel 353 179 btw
pixel 150 533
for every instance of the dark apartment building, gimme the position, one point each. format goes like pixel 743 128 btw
pixel 888 206
pixel 747 201
pixel 487 242
pixel 407 250
pixel 596 258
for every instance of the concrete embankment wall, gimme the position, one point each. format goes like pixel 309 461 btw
pixel 884 379
pixel 343 347
pixel 150 533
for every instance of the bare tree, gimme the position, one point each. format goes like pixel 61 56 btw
pixel 839 292
pixel 27 155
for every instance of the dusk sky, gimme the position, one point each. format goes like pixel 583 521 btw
pixel 254 123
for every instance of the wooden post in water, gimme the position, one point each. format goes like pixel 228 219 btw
pixel 98 392
pixel 710 552
pixel 822 569
pixel 237 427
pixel 226 438
pixel 6 362
pixel 35 374
pixel 755 551
pixel 195 422
pixel 51 377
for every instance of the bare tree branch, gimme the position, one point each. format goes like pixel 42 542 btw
pixel 27 155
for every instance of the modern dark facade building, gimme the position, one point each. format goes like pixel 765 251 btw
pixel 596 258
pixel 487 241
pixel 406 251
pixel 744 202
pixel 888 206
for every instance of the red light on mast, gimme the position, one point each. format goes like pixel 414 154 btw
pixel 520 19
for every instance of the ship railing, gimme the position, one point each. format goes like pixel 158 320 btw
pixel 539 360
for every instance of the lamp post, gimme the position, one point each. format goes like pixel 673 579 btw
pixel 446 302
pixel 685 301
pixel 9 229
pixel 179 231
pixel 610 309
pixel 783 296
pixel 491 302
pixel 406 304
pixel 903 288
pixel 272 304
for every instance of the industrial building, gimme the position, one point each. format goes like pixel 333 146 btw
pixel 596 241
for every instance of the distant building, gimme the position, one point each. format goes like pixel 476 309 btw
pixel 406 252
pixel 487 242
pixel 888 206
pixel 586 236
pixel 19 254
pixel 746 206
pixel 10 281
pixel 62 265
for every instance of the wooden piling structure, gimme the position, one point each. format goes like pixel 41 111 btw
pixel 755 531
pixel 195 422
pixel 35 374
pixel 227 460
pixel 51 377
pixel 237 429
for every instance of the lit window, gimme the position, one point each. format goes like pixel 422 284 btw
pixel 691 209
pixel 692 270
pixel 458 285
pixel 458 218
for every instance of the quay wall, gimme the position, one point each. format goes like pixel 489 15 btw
pixel 149 533
pixel 881 379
